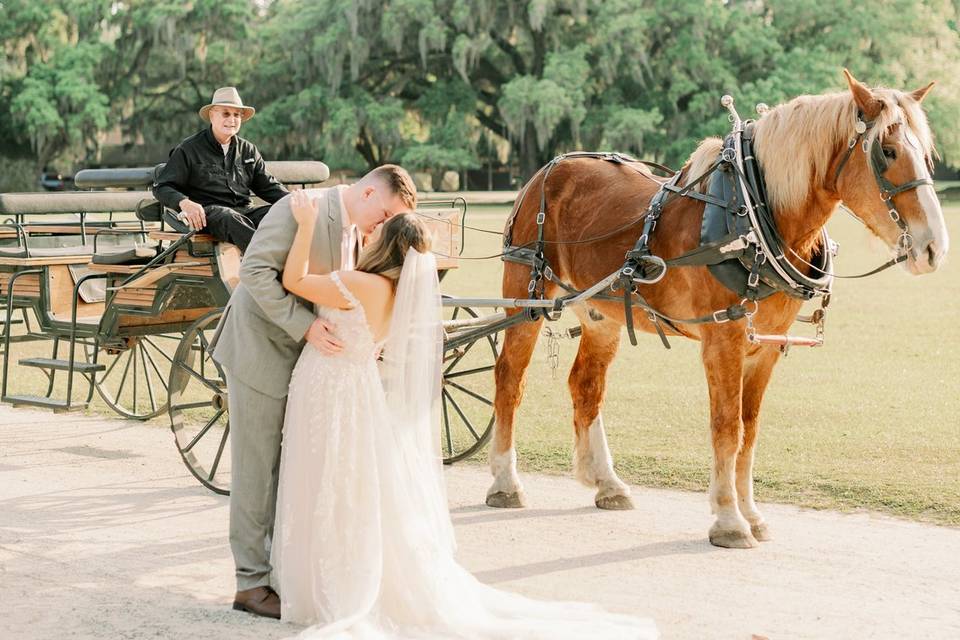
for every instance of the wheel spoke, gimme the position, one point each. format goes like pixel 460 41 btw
pixel 446 422
pixel 159 350
pixel 459 357
pixel 216 460
pixel 123 378
pixel 146 373
pixel 167 336
pixel 463 417
pixel 470 393
pixel 203 431
pixel 191 405
pixel 133 357
pixel 467 372
pixel 199 377
pixel 106 373
pixel 155 367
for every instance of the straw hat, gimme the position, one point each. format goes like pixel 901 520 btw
pixel 227 97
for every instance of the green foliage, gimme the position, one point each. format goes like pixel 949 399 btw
pixel 59 104
pixel 444 84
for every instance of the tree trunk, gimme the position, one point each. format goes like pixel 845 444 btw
pixel 529 155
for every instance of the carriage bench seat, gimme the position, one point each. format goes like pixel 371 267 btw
pixel 47 252
pixel 76 202
pixel 104 255
pixel 301 172
pixel 139 254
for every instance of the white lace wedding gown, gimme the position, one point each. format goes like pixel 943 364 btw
pixel 356 552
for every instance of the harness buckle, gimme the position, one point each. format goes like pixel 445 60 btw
pixel 728 154
pixel 548 273
pixel 720 316
pixel 627 271
pixel 895 215
pixel 753 281
pixel 905 242
pixel 541 217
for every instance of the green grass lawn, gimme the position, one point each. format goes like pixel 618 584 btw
pixel 871 419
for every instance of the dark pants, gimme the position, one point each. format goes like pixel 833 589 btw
pixel 235 226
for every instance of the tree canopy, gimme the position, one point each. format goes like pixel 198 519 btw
pixel 450 84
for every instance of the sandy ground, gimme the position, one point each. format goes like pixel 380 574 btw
pixel 103 534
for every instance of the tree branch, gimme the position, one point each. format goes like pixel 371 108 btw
pixel 519 64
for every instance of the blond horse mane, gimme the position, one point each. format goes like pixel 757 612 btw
pixel 796 141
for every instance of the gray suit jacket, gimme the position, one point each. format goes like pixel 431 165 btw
pixel 262 330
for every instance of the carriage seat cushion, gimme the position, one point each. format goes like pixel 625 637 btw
pixel 46 252
pixel 129 255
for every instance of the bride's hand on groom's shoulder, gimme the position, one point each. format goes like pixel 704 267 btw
pixel 304 207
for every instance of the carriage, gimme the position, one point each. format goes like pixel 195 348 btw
pixel 103 299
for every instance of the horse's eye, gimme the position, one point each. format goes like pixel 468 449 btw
pixel 890 153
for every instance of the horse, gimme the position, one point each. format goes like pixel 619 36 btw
pixel 811 164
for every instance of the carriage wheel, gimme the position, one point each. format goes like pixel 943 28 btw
pixel 468 386
pixel 134 384
pixel 198 407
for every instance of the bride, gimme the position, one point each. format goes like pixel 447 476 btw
pixel 364 545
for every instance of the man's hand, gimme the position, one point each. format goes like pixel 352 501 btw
pixel 320 335
pixel 193 214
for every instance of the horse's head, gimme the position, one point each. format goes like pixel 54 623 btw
pixel 886 174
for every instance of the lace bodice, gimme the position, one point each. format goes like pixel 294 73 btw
pixel 352 329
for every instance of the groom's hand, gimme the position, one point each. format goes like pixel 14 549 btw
pixel 320 335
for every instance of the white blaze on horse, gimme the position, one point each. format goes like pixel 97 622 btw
pixel 783 177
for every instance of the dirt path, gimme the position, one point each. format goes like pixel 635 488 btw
pixel 103 534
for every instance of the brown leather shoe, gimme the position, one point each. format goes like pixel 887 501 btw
pixel 260 601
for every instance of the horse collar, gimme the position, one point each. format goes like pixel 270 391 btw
pixel 762 269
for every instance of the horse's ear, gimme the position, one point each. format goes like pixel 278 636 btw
pixel 921 93
pixel 864 98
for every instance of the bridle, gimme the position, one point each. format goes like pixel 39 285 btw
pixel 878 165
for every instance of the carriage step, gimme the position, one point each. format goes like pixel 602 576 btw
pixel 62 365
pixel 58 406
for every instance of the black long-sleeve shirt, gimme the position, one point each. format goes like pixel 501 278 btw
pixel 199 170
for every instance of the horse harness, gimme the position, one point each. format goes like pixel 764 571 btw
pixel 739 240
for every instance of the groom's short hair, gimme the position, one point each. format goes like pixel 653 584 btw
pixel 399 182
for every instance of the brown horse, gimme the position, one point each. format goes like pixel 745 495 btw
pixel 800 146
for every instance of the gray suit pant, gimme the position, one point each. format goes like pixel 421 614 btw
pixel 256 427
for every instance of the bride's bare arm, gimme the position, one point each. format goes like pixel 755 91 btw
pixel 319 289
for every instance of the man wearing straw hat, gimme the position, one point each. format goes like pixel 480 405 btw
pixel 208 180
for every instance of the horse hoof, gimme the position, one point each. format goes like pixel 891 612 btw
pixel 761 532
pixel 502 500
pixel 616 502
pixel 732 538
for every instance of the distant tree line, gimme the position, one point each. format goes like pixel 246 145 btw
pixel 449 84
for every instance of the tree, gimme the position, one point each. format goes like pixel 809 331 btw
pixel 443 84
pixel 75 69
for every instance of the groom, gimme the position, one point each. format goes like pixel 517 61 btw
pixel 258 342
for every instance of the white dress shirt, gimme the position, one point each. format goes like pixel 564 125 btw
pixel 350 242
